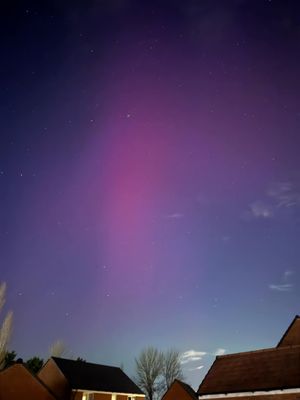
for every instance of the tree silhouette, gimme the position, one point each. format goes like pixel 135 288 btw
pixel 156 371
pixel 149 367
pixel 10 358
pixel 34 364
pixel 171 368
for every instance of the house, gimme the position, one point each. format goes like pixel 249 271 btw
pixel 16 383
pixel 180 391
pixel 80 380
pixel 267 374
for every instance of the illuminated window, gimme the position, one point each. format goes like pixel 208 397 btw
pixel 88 396
pixel 113 397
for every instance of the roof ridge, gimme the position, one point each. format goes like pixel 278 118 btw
pixel 273 368
pixel 86 362
pixel 34 376
pixel 206 375
pixel 92 376
pixel 185 386
pixel 287 331
pixel 258 351
pixel 184 383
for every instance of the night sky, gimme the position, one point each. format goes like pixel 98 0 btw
pixel 150 176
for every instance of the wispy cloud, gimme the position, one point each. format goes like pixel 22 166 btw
pixel 278 195
pixel 176 215
pixel 197 368
pixel 191 355
pixel 285 194
pixel 284 287
pixel 259 209
pixel 219 352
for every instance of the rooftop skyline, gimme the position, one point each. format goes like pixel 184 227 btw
pixel 150 176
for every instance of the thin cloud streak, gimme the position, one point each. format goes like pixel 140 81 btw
pixel 285 194
pixel 278 195
pixel 196 369
pixel 285 287
pixel 174 216
pixel 191 355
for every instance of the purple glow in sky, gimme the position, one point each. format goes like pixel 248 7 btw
pixel 150 176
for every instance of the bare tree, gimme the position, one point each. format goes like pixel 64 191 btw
pixel 5 328
pixel 171 368
pixel 58 349
pixel 149 367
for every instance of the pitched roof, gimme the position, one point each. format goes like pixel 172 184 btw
pixel 291 337
pixel 172 392
pixel 17 379
pixel 187 388
pixel 89 376
pixel 269 369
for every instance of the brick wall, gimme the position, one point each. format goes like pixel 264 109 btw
pixel 77 395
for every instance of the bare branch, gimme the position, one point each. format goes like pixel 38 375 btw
pixel 5 328
pixel 2 294
pixel 149 367
pixel 172 368
pixel 58 349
